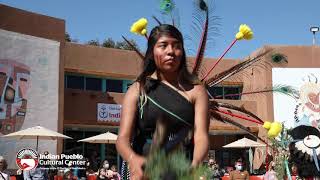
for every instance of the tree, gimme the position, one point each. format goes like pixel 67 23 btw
pixel 67 37
pixel 93 42
pixel 109 43
pixel 124 45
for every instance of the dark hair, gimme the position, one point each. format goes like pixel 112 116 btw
pixel 103 162
pixel 149 65
pixel 5 164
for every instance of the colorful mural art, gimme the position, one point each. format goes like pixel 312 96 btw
pixel 29 90
pixel 301 116
pixel 307 111
pixel 14 85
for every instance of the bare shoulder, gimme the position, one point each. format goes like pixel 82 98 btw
pixel 200 87
pixel 199 90
pixel 133 90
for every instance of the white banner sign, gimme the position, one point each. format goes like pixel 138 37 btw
pixel 109 112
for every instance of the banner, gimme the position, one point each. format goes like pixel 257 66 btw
pixel 109 112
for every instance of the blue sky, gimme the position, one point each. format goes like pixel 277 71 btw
pixel 274 22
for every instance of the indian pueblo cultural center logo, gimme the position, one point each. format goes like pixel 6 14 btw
pixel 28 159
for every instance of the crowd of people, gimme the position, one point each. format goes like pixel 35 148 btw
pixel 91 171
pixel 237 173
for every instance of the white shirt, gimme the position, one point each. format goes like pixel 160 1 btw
pixel 4 175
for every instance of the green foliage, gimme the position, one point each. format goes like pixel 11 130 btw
pixel 159 166
pixel 109 43
pixel 67 37
pixel 124 45
pixel 93 42
pixel 280 145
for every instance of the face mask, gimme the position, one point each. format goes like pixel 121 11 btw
pixel 214 166
pixel 106 166
pixel 239 167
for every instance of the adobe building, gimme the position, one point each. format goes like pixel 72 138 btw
pixel 84 86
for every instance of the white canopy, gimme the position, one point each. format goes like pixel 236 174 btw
pixel 105 138
pixel 244 143
pixel 37 132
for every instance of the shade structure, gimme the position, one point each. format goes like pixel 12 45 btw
pixel 105 138
pixel 37 132
pixel 244 143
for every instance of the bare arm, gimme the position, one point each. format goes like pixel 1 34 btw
pixel 201 125
pixel 129 109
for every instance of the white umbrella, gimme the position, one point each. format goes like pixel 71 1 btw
pixel 245 143
pixel 105 138
pixel 37 132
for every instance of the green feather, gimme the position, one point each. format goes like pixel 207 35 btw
pixel 279 58
pixel 166 6
pixel 286 90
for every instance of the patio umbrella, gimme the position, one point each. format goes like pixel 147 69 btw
pixel 105 138
pixel 245 143
pixel 37 132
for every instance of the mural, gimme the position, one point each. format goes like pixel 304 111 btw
pixel 307 111
pixel 14 85
pixel 301 116
pixel 29 90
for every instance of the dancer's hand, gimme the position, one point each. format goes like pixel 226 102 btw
pixel 135 165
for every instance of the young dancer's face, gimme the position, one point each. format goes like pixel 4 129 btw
pixel 167 54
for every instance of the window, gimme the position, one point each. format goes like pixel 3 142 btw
pixel 74 82
pixel 226 92
pixel 216 92
pixel 114 85
pixel 93 84
pixel 232 93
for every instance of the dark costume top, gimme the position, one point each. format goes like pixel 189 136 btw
pixel 165 104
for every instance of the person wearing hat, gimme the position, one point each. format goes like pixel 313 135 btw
pixel 239 173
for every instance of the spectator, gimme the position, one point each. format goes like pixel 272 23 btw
pixel 294 170
pixel 105 164
pixel 102 174
pixel 94 163
pixel 3 167
pixel 239 173
pixel 115 174
pixel 37 173
pixel 68 175
pixel 216 172
pixel 270 174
